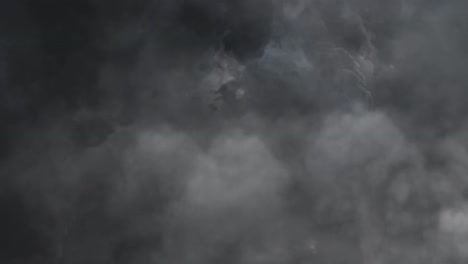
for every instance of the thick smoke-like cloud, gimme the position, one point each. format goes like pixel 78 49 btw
pixel 246 132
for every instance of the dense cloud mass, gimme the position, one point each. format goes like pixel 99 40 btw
pixel 243 132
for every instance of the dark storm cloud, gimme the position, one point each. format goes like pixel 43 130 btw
pixel 253 131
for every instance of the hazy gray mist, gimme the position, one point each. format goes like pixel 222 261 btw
pixel 233 131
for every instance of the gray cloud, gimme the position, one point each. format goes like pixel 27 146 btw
pixel 244 132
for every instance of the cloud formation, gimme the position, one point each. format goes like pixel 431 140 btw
pixel 245 132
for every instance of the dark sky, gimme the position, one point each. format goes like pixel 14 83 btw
pixel 248 131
